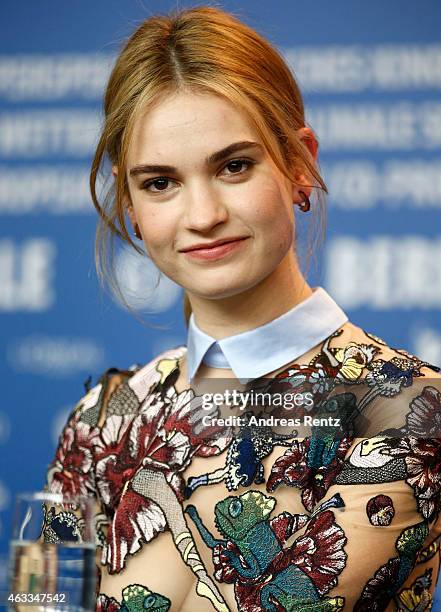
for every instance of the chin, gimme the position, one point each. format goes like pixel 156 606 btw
pixel 216 294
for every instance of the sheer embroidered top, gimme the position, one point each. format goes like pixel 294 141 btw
pixel 195 513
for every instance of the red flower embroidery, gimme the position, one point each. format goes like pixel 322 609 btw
pixel 164 436
pixel 71 471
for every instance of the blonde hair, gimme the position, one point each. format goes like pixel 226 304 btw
pixel 201 49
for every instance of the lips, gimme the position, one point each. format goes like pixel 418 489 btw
pixel 220 250
pixel 212 245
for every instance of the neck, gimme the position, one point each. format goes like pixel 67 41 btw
pixel 273 296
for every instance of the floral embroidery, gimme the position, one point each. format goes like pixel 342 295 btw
pixel 380 510
pixel 71 472
pixel 380 589
pixel 159 438
pixel 303 466
pixel 423 464
pixel 129 445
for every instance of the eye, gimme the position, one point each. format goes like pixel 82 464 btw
pixel 235 508
pixel 160 183
pixel 238 163
pixel 149 601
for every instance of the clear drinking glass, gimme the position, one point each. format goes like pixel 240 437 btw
pixel 52 553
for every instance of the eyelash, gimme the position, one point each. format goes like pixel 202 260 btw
pixel 150 182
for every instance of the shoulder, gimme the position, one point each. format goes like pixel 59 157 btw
pixel 399 357
pixel 102 415
pixel 355 351
pixel 397 391
pixel 161 371
pixel 120 391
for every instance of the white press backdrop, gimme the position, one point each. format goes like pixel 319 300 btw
pixel 371 77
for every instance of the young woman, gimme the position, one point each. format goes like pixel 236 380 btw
pixel 212 162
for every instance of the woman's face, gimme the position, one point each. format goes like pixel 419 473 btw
pixel 236 194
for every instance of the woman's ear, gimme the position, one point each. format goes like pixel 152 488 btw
pixel 307 136
pixel 127 204
pixel 132 217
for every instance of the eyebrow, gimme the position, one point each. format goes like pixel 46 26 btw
pixel 210 160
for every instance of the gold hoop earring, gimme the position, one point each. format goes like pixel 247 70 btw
pixel 306 205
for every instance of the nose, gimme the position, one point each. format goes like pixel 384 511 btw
pixel 204 209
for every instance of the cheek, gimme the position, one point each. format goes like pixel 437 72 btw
pixel 157 230
pixel 274 217
pixel 270 204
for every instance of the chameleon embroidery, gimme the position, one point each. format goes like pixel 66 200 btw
pixel 135 598
pixel 265 573
pixel 130 445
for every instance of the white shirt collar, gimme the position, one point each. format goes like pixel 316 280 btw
pixel 258 351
